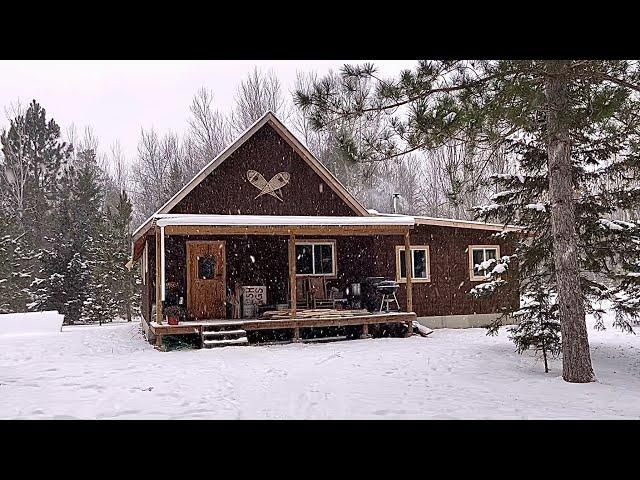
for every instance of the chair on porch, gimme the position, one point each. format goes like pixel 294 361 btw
pixel 318 293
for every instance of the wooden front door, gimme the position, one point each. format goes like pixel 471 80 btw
pixel 206 279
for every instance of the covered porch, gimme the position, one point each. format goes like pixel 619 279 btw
pixel 188 254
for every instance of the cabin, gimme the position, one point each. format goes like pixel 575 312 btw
pixel 265 244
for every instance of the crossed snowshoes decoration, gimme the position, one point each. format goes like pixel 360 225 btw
pixel 272 187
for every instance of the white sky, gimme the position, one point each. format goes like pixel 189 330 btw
pixel 118 97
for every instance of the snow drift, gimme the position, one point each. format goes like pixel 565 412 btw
pixel 30 323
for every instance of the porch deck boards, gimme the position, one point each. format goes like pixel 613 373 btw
pixel 251 324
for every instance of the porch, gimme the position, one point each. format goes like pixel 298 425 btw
pixel 361 321
pixel 204 259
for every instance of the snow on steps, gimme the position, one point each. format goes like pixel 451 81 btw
pixel 224 343
pixel 218 333
pixel 222 335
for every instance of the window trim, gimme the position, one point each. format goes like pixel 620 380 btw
pixel 471 248
pixel 334 255
pixel 400 248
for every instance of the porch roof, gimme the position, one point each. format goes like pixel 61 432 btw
pixel 163 220
pixel 189 224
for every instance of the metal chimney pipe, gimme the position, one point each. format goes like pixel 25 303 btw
pixel 395 202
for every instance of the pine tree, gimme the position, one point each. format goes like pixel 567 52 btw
pixel 33 161
pixel 567 124
pixel 34 158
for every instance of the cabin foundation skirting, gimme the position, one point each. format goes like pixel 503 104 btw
pixel 462 321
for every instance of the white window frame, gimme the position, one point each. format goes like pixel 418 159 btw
pixel 400 251
pixel 334 273
pixel 472 274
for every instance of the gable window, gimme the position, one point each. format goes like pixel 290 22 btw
pixel 316 258
pixel 421 264
pixel 479 257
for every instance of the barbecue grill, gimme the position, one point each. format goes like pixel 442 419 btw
pixel 388 290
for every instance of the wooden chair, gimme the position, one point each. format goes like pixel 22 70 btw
pixel 318 291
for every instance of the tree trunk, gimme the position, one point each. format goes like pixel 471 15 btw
pixel 576 359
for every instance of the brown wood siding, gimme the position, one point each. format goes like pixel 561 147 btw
pixel 228 191
pixel 357 257
pixel 269 265
pixel 447 292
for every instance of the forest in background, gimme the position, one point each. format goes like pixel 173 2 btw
pixel 472 150
pixel 68 203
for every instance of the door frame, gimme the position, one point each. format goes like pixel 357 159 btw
pixel 188 265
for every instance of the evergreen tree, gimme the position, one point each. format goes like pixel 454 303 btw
pixel 6 255
pixel 567 125
pixel 69 265
pixel 124 284
pixel 33 160
pixel 538 326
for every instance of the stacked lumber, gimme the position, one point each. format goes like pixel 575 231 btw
pixel 314 313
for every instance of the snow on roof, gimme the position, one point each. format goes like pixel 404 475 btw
pixel 163 220
pixel 452 222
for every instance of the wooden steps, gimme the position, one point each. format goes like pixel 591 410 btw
pixel 222 335
pixel 226 342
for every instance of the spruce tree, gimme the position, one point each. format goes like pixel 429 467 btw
pixel 67 274
pixel 125 288
pixel 566 123
pixel 538 327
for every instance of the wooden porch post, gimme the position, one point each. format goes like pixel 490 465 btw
pixel 292 273
pixel 158 278
pixel 409 269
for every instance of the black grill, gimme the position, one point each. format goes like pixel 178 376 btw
pixel 388 287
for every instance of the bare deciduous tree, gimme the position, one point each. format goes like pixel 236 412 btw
pixel 260 92
pixel 209 131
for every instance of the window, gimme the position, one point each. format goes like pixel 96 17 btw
pixel 316 258
pixel 207 267
pixel 478 254
pixel 421 264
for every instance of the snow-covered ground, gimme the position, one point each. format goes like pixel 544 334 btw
pixel 30 323
pixel 109 371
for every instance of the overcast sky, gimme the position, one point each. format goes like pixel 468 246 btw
pixel 116 98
